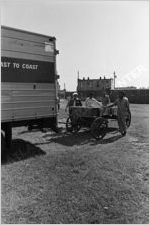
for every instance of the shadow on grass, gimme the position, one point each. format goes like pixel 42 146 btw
pixel 107 140
pixel 19 150
pixel 80 138
pixel 36 129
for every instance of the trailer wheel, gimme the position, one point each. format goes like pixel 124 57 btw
pixel 99 128
pixel 3 144
pixel 8 135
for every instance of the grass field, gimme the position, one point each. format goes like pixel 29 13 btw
pixel 72 178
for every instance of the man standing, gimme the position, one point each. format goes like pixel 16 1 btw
pixel 122 112
pixel 58 103
pixel 75 101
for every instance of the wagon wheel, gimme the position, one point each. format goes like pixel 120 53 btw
pixel 73 127
pixel 30 127
pixel 99 128
pixel 128 120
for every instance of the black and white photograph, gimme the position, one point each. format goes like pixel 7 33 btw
pixel 74 111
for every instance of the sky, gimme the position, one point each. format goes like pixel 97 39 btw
pixel 95 38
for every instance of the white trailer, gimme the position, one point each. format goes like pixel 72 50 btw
pixel 28 80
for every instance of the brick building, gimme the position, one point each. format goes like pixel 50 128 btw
pixel 96 86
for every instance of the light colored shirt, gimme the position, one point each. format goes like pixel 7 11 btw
pixel 123 106
pixel 92 102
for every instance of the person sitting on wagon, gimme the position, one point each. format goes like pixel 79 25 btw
pixel 75 101
pixel 92 102
pixel 123 110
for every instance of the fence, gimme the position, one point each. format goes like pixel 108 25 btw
pixel 136 96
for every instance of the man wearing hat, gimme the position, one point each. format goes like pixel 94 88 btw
pixel 74 101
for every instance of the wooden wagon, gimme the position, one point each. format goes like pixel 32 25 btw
pixel 96 119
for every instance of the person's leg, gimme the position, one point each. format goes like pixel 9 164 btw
pixel 124 128
pixel 119 124
pixel 122 124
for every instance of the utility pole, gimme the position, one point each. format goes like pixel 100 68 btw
pixel 64 90
pixel 77 80
pixel 114 78
pixel 78 74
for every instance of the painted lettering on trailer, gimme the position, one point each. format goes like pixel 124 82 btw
pixel 18 65
pixel 29 71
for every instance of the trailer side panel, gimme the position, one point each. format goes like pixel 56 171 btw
pixel 28 71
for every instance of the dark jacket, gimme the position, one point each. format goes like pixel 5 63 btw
pixel 77 102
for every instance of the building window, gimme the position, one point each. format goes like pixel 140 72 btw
pixel 91 84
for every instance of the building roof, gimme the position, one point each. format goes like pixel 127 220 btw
pixel 94 79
